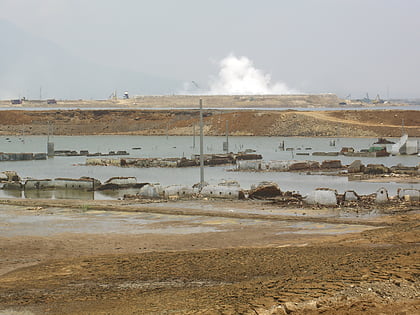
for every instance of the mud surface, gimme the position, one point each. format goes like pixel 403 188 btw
pixel 249 263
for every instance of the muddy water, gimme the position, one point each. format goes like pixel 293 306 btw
pixel 177 146
pixel 18 221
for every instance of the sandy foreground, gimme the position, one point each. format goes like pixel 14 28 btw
pixel 206 257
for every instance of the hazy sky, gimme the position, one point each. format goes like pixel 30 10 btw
pixel 339 46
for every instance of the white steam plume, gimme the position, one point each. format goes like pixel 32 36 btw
pixel 238 76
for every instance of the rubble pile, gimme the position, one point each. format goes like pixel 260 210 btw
pixel 209 159
pixel 229 190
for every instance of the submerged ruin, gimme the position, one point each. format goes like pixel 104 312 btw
pixel 226 190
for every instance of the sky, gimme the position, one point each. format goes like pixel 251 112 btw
pixel 346 47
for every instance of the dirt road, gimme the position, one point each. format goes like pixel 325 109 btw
pixel 244 269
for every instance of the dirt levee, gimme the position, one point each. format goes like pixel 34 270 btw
pixel 366 123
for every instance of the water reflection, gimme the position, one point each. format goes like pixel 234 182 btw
pixel 73 194
pixel 13 193
pixel 115 194
pixel 38 194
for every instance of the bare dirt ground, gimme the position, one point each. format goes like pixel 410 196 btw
pixel 245 269
pixel 366 123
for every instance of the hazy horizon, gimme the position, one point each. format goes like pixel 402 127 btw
pixel 87 49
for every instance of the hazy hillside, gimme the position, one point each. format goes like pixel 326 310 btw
pixel 28 63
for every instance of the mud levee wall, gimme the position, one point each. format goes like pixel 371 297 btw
pixel 349 123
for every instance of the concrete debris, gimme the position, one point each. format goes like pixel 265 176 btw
pixel 384 141
pixel 382 196
pixel 401 169
pixel 3 177
pixel 376 169
pixel 248 156
pixel 179 191
pixel 322 197
pixel 72 183
pixel 280 166
pixel 408 194
pixel 249 165
pixel 350 195
pixel 209 159
pixel 86 153
pixel 224 192
pixel 304 165
pixel 331 164
pixel 151 191
pixel 10 176
pixel 229 183
pixel 227 189
pixel 405 146
pixel 325 153
pixel 22 156
pixel 103 162
pixel 277 165
pixel 355 167
pixel 38 184
pixel 120 182
pixel 264 190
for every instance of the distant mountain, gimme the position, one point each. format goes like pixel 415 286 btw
pixel 30 66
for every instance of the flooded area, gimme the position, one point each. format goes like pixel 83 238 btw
pixel 39 222
pixel 183 146
pixel 268 209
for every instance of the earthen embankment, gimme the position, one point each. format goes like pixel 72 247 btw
pixel 343 123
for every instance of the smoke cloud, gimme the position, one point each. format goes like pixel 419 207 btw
pixel 238 76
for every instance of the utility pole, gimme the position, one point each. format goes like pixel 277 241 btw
pixel 201 146
pixel 226 143
pixel 193 136
pixel 50 145
pixel 402 127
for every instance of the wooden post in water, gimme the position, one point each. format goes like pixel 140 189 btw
pixel 193 136
pixel 201 146
pixel 226 143
pixel 50 145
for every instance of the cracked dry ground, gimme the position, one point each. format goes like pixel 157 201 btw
pixel 374 272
